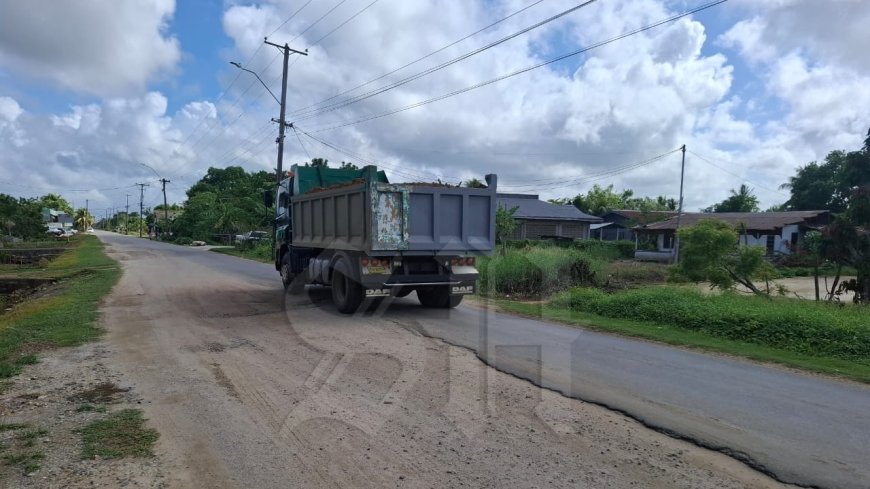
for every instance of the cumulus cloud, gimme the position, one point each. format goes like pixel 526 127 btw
pixel 99 47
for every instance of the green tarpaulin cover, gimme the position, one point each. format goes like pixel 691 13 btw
pixel 307 178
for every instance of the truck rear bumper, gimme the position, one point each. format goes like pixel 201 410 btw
pixel 386 285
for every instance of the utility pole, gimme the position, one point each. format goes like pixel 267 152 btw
pixel 165 209
pixel 127 217
pixel 141 198
pixel 282 122
pixel 680 208
pixel 86 216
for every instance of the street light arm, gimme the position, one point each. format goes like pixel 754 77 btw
pixel 237 65
pixel 152 169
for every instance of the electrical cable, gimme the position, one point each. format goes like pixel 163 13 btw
pixel 519 72
pixel 329 108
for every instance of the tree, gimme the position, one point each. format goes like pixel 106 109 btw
pixel 505 224
pixel 83 219
pixel 346 165
pixel 318 162
pixel 56 202
pixel 741 200
pixel 21 218
pixel 601 200
pixel 473 183
pixel 710 251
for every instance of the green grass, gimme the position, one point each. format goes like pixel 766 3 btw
pixel 65 317
pixel 120 434
pixel 859 371
pixel 13 426
pixel 29 437
pixel 90 408
pixel 800 326
pixel 537 271
pixel 26 460
pixel 261 252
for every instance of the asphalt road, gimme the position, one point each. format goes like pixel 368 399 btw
pixel 799 428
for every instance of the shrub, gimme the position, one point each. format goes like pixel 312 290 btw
pixel 184 241
pixel 790 324
pixel 538 270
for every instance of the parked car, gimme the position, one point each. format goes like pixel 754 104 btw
pixel 251 237
pixel 90 230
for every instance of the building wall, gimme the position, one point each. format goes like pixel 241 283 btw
pixel 535 229
pixel 774 243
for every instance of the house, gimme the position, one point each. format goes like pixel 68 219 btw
pixel 538 219
pixel 56 219
pixel 778 232
pixel 619 224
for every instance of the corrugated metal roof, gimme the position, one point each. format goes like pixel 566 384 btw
pixel 753 221
pixel 530 208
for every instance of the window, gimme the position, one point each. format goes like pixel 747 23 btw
pixel 771 241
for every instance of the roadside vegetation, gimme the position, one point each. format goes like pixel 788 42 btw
pixel 260 251
pixel 119 434
pixel 62 315
pixel 746 312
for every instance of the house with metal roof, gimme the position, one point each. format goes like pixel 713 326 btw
pixel 619 224
pixel 778 232
pixel 539 219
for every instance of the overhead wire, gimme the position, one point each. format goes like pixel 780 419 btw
pixel 421 58
pixel 742 178
pixel 299 116
pixel 519 72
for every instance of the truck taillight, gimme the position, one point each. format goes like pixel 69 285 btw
pixel 364 262
pixel 469 261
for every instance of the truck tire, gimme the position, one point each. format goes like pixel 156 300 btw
pixel 346 293
pixel 438 297
pixel 292 284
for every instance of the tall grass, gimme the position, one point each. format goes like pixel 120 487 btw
pixel 537 270
pixel 789 324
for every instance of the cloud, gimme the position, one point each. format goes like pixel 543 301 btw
pixel 97 47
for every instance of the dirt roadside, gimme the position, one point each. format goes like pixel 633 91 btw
pixel 249 389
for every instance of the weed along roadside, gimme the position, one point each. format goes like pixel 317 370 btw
pixel 59 414
pixel 588 287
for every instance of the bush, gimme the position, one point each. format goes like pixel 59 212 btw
pixel 790 324
pixel 183 241
pixel 537 271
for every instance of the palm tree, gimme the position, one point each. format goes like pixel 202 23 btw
pixel 83 219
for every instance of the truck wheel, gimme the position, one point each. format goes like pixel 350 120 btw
pixel 438 297
pixel 346 294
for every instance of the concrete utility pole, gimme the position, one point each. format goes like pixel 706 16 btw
pixel 165 209
pixel 282 122
pixel 680 208
pixel 141 210
pixel 127 216
pixel 86 216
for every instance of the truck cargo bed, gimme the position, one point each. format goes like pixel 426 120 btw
pixel 415 219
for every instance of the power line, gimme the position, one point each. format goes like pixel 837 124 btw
pixel 519 72
pixel 288 19
pixel 343 23
pixel 744 179
pixel 300 143
pixel 318 20
pixel 421 58
pixel 329 108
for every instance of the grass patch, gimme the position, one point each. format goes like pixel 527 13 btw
pixel 64 318
pixel 13 426
pixel 262 252
pixel 800 326
pixel 28 438
pixel 26 460
pixel 121 434
pixel 537 271
pixel 90 408
pixel 664 333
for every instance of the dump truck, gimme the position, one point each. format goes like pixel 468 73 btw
pixel 369 239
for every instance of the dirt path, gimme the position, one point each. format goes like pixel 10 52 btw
pixel 249 391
